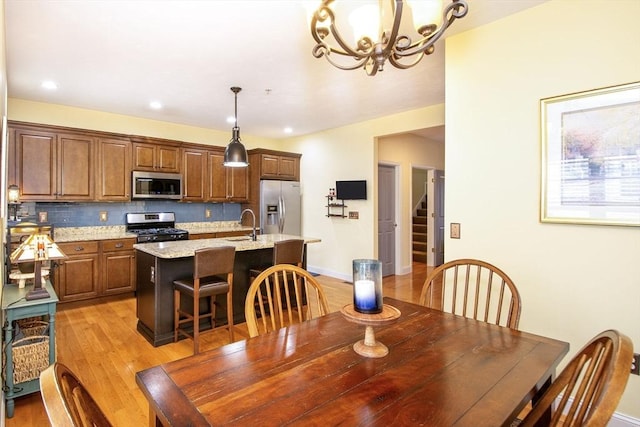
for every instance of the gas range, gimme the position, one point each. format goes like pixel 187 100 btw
pixel 153 227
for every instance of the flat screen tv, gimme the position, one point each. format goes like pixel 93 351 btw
pixel 351 190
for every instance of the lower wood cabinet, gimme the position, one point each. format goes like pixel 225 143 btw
pixel 78 276
pixel 118 266
pixel 95 268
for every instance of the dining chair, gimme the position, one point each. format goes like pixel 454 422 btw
pixel 282 295
pixel 289 251
pixel 67 402
pixel 474 289
pixel 212 276
pixel 587 391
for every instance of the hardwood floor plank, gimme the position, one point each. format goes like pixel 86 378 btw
pixel 100 343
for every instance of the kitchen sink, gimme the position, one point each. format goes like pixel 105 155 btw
pixel 238 239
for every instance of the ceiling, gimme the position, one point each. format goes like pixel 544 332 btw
pixel 117 56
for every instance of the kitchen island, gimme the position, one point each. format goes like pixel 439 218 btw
pixel 159 264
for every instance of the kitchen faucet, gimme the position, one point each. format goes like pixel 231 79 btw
pixel 254 235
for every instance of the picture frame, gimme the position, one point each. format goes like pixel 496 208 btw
pixel 590 157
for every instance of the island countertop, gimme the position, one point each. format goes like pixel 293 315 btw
pixel 187 248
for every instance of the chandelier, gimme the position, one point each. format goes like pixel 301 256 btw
pixel 375 41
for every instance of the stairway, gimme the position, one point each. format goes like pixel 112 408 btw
pixel 419 234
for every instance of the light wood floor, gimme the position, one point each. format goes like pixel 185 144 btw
pixel 99 342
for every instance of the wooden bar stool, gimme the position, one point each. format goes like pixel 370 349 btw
pixel 212 276
pixel 284 252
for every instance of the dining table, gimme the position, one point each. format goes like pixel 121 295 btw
pixel 441 370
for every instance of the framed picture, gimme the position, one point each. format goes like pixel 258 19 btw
pixel 590 168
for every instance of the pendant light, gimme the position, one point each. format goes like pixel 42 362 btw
pixel 235 155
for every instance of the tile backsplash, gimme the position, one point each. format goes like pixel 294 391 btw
pixel 89 214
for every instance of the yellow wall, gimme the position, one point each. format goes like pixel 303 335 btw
pixel 52 114
pixel 575 280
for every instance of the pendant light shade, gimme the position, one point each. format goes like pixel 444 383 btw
pixel 235 155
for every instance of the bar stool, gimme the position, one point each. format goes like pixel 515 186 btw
pixel 210 265
pixel 284 252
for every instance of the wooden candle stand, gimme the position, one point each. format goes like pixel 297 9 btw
pixel 369 347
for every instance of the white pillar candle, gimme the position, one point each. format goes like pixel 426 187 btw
pixel 365 294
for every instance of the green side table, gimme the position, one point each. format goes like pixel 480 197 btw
pixel 15 307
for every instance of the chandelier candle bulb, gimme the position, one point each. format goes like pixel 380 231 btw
pixel 367 286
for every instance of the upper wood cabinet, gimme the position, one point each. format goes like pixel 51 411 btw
pixel 194 177
pixel 276 164
pixel 156 156
pixel 114 170
pixel 226 184
pixel 53 166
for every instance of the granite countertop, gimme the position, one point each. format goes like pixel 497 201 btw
pixel 187 248
pixel 73 234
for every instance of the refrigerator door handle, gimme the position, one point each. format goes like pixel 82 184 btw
pixel 283 214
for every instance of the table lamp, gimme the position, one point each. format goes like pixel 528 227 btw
pixel 37 248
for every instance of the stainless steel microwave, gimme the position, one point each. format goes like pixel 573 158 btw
pixel 156 185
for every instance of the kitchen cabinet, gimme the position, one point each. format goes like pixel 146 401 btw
pixel 276 164
pixel 53 166
pixel 219 234
pixel 226 184
pixel 114 170
pixel 95 268
pixel 78 276
pixel 118 266
pixel 194 176
pixel 156 156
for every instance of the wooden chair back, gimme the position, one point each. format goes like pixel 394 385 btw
pixel 288 252
pixel 213 262
pixel 474 289
pixel 67 401
pixel 589 388
pixel 282 295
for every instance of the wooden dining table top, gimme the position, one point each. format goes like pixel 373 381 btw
pixel 441 370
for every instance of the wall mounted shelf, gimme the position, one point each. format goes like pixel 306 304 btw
pixel 335 207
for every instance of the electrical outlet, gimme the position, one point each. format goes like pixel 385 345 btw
pixel 635 364
pixel 354 215
pixel 207 213
pixel 103 216
pixel 43 217
pixel 455 230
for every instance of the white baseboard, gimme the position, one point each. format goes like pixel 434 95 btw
pixel 622 420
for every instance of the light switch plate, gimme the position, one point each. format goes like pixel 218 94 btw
pixel 455 230
pixel 354 215
pixel 207 213
pixel 103 216
pixel 43 217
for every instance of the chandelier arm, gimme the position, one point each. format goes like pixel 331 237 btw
pixel 397 17
pixel 359 64
pixel 323 14
pixel 455 10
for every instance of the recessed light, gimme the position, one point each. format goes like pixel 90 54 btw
pixel 288 130
pixel 231 119
pixel 155 105
pixel 49 85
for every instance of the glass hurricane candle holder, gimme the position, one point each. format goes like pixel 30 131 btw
pixel 367 286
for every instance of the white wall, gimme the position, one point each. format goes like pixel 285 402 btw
pixel 349 152
pixel 575 280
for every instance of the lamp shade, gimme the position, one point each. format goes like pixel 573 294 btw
pixel 13 195
pixel 235 155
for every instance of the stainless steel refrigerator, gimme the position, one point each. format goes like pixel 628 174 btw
pixel 280 207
